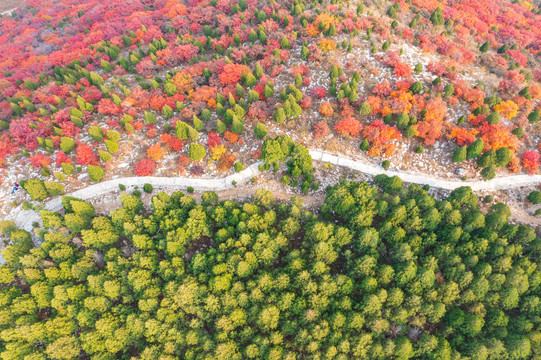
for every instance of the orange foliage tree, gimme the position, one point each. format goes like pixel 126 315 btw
pixel 155 152
pixel 348 126
pixel 231 73
pixel 431 128
pixel 325 109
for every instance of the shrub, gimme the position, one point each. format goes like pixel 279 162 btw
pixel 66 144
pixel 419 150
pixel 96 173
pixel 385 164
pixel 197 152
pixel 260 130
pixel 190 189
pixel 237 126
pixel 238 166
pixel 53 188
pixel 148 188
pixel 364 145
pixel 36 189
pixel 121 187
pixel 7 227
pixel 104 156
pixel 112 146
pixel 150 118
pixel 474 149
pixel 95 133
pixel 136 193
pixel 67 168
pixel 145 167
pixel 535 197
pixel 488 173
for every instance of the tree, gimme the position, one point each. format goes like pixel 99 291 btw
pixel 260 130
pixel 279 116
pixel 348 127
pixel 197 152
pixel 365 109
pixel 530 161
pixel 474 149
pixel 145 167
pixel 485 47
pixel 535 197
pixel 95 172
pixel 437 17
pixel 326 109
pixel 488 173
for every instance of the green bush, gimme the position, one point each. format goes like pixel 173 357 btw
pixel 488 173
pixel 121 187
pixel 385 164
pixel 95 172
pixel 148 188
pixel 104 156
pixel 197 152
pixel 535 197
pixel 7 227
pixel 95 133
pixel 190 189
pixel 112 147
pixel 53 188
pixel 66 144
pixel 35 188
pixel 474 149
pixel 113 135
pixel 238 166
pixel 260 130
pixel 68 169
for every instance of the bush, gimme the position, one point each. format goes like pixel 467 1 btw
pixel 136 193
pixel 53 188
pixel 145 167
pixel 419 150
pixel 385 164
pixel 7 227
pixel 474 149
pixel 197 152
pixel 104 156
pixel 35 188
pixel 285 180
pixel 121 187
pixel 238 166
pixel 260 130
pixel 96 173
pixel 535 197
pixel 364 145
pixel 488 173
pixel 68 169
pixel 148 188
pixel 113 135
pixel 95 133
pixel 190 189
pixel 66 144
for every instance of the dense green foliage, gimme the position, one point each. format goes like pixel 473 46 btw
pixel 393 274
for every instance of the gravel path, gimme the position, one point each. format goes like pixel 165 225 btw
pixel 25 218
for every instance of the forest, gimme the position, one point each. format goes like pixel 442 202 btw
pixel 381 271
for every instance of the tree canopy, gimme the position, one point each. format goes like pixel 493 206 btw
pixel 388 273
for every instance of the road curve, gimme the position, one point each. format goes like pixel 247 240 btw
pixel 25 219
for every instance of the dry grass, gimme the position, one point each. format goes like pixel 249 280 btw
pixel 6 5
